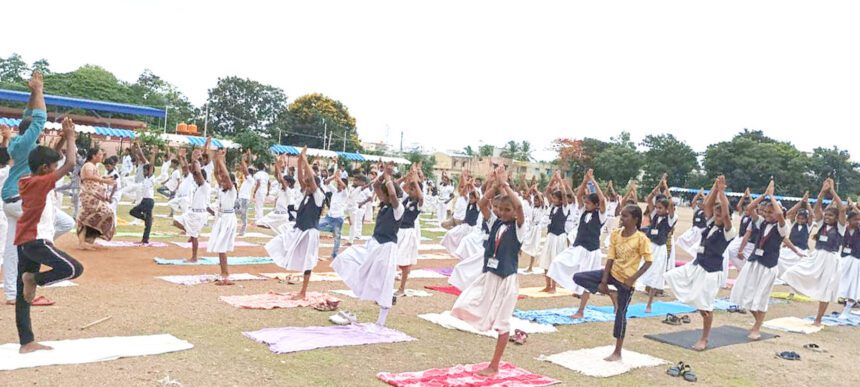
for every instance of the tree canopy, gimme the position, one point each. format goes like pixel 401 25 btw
pixel 311 116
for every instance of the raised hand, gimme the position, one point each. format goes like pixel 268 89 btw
pixel 36 82
pixel 770 188
pixel 68 128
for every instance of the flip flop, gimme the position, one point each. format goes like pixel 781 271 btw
pixel 42 301
pixel 688 374
pixel 788 355
pixel 675 370
pixel 520 337
pixel 733 309
pixel 685 319
pixel 814 347
pixel 671 319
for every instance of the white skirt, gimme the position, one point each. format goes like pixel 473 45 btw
pixel 223 235
pixel 488 303
pixel 690 240
pixel 571 261
pixel 788 259
pixel 369 271
pixel 531 242
pixel 610 225
pixel 753 286
pixel 470 245
pixel 452 238
pixel 660 262
pixel 193 222
pixel 295 250
pixel 273 221
pixel 694 286
pixel 816 276
pixel 731 253
pixel 467 271
pixel 849 284
pixel 554 245
pixel 407 246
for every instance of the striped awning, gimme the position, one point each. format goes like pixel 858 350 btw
pixel 351 156
pixel 284 149
pixel 97 130
pixel 200 141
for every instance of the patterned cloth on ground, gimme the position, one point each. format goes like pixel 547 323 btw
pixel 295 339
pixel 467 375
pixel 272 300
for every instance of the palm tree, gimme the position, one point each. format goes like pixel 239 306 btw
pixel 511 150
pixel 469 151
pixel 486 150
pixel 525 153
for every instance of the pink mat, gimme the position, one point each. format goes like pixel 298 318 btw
pixel 295 339
pixel 105 243
pixel 202 245
pixel 454 291
pixel 274 300
pixel 467 375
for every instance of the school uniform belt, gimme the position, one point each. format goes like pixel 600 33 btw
pixel 198 210
pixel 11 200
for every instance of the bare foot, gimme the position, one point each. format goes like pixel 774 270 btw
pixel 85 247
pixel 299 296
pixel 754 336
pixel 701 345
pixel 488 371
pixel 817 323
pixel 29 280
pixel 579 314
pixel 224 282
pixel 551 291
pixel 613 357
pixel 545 290
pixel 647 309
pixel 33 347
pixel 190 260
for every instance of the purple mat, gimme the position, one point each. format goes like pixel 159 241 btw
pixel 296 339
pixel 446 271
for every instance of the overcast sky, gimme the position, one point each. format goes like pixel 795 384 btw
pixel 454 73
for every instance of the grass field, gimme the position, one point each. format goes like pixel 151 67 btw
pixel 120 283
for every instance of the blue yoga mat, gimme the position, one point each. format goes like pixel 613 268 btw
pixel 214 261
pixel 658 309
pixel 832 320
pixel 561 316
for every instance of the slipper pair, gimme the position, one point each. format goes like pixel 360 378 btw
pixel 519 337
pixel 736 309
pixel 682 370
pixel 343 318
pixel 814 348
pixel 327 306
pixel 672 319
pixel 788 355
pixel 41 301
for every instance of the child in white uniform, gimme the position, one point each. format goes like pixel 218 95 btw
pixel 662 212
pixel 261 190
pixel 849 283
pixel 556 238
pixel 278 219
pixel 357 201
pixel 223 235
pixel 534 207
pixel 408 236
pixel 193 220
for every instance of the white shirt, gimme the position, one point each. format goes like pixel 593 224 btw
pixel 117 193
pixel 127 165
pixel 186 187
pixel 728 234
pixel 148 187
pixel 282 203
pixel 173 183
pixel 460 208
pixel 262 178
pixel 45 228
pixel 227 200
pixel 247 187
pixel 210 170
pixel 200 197
pixel 446 192
pixel 164 174
pixel 337 208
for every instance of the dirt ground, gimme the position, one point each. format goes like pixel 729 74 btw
pixel 120 283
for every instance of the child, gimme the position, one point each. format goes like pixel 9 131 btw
pixel 556 237
pixel 168 176
pixel 585 253
pixel 192 221
pixel 446 194
pixel 849 284
pixel 797 244
pixel 261 190
pixel 736 255
pixel 473 242
pixel 755 282
pixel 465 207
pixel 113 193
pixel 471 266
pixel 535 212
pixel 489 301
pixel 663 219
pixel 818 276
pixel 690 240
pixel 408 237
pixel 278 219
pixel 333 221
pixel 359 197
pixel 35 234
pixel 223 235
pixel 245 190
pixel 628 258
pixel 697 284
pixel 369 270
pixel 143 210
pixel 297 248
pixel 5 159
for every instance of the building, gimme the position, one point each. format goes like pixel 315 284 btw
pixel 453 164
pixel 375 146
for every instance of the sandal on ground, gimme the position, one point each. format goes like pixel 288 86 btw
pixel 685 319
pixel 733 309
pixel 675 370
pixel 788 355
pixel 337 319
pixel 327 306
pixel 348 316
pixel 519 337
pixel 671 319
pixel 814 347
pixel 41 301
pixel 688 374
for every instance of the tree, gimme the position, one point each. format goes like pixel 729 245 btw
pixel 42 65
pixel 486 150
pixel 469 151
pixel 619 161
pixel 240 104
pixel 313 115
pixel 151 90
pixel 427 162
pixel 750 159
pixel 525 153
pixel 258 145
pixel 578 156
pixel 511 150
pixel 667 154
pixel 836 163
pixel 13 69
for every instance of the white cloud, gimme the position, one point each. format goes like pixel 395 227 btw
pixel 450 74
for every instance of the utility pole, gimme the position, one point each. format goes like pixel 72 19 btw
pixel 345 133
pixel 325 132
pixel 206 122
pixel 401 141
